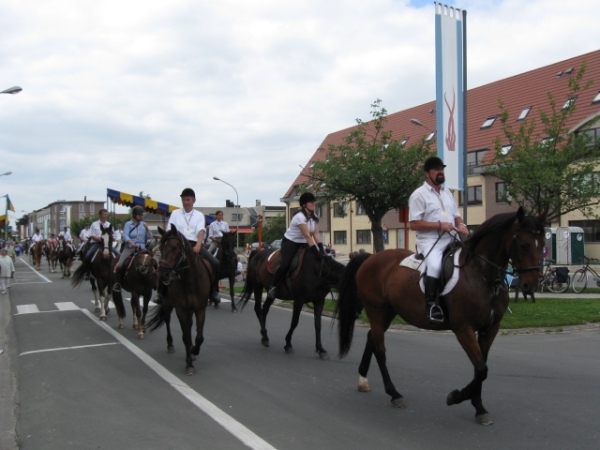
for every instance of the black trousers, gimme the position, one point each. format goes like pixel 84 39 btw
pixel 288 250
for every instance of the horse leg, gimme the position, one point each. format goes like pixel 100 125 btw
pixel 170 347
pixel 200 318
pixel 231 285
pixel 318 311
pixel 103 306
pixel 259 310
pixel 477 350
pixel 289 349
pixel 186 328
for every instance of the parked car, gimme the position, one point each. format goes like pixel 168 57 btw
pixel 254 245
pixel 275 244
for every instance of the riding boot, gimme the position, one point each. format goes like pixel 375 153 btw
pixel 274 283
pixel 119 274
pixel 436 315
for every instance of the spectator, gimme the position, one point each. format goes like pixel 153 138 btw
pixel 7 270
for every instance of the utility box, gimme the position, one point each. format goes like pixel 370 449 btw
pixel 570 245
pixel 549 252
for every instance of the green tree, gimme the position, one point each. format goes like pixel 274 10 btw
pixel 548 167
pixel 273 228
pixel 78 225
pixel 370 167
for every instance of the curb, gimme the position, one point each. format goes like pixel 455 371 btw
pixel 8 378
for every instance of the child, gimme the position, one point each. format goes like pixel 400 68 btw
pixel 7 269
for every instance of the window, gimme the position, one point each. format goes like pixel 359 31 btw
pixel 360 209
pixel 63 209
pixel 596 98
pixel 319 210
pixel 339 238
pixel 501 192
pixel 505 149
pixel 92 208
pixel 591 229
pixel 237 217
pixel 339 209
pixel 474 196
pixel 63 223
pixel 570 101
pixel 430 136
pixel 524 113
pixel 363 236
pixel 474 158
pixel 488 122
pixel 81 207
pixel 405 140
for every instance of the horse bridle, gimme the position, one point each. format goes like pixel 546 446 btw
pixel 173 272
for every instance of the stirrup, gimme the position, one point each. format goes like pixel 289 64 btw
pixel 116 287
pixel 436 315
pixel 272 291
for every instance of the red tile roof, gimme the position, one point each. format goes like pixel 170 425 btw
pixel 517 92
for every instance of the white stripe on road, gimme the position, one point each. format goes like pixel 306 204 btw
pixel 27 309
pixel 67 348
pixel 225 420
pixel 35 271
pixel 66 306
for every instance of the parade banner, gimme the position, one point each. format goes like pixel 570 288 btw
pixel 449 92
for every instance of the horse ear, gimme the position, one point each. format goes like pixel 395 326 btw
pixel 520 214
pixel 173 228
pixel 161 231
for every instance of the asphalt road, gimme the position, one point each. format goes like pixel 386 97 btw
pixel 82 384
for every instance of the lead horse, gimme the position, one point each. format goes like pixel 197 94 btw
pixel 473 308
pixel 186 280
pixel 312 283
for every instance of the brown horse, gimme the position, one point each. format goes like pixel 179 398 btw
pixel 101 270
pixel 140 280
pixel 228 264
pixel 65 256
pixel 51 256
pixel 310 285
pixel 473 308
pixel 185 281
pixel 38 251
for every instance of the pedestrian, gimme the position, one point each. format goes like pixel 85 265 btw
pixel 10 251
pixel 7 270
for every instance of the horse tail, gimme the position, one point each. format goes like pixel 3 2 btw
pixel 349 305
pixel 78 275
pixel 248 288
pixel 117 298
pixel 158 318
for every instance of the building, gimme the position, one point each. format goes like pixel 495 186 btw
pixel 59 214
pixel 524 96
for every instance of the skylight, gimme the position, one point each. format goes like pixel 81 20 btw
pixel 596 98
pixel 430 136
pixel 569 71
pixel 488 122
pixel 559 74
pixel 524 113
pixel 404 141
pixel 505 149
pixel 569 102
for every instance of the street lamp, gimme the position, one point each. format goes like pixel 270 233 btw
pixel 237 202
pixel 12 91
pixel 5 173
pixel 418 123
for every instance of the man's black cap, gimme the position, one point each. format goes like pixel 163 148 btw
pixel 432 163
pixel 188 192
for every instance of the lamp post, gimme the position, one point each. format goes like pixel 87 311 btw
pixel 6 210
pixel 418 123
pixel 237 217
pixel 12 91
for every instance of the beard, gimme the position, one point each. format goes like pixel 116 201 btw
pixel 440 179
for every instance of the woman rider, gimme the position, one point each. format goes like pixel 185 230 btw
pixel 303 230
pixel 135 234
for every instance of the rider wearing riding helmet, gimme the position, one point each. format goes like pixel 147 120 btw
pixel 135 235
pixel 303 230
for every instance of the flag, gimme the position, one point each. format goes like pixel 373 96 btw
pixel 9 205
pixel 3 220
pixel 449 91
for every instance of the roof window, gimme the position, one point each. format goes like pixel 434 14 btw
pixel 505 149
pixel 488 122
pixel 524 113
pixel 430 136
pixel 559 74
pixel 569 71
pixel 596 98
pixel 404 141
pixel 569 102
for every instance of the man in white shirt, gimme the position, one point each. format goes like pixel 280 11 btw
pixel 190 223
pixel 83 238
pixel 215 232
pixel 96 235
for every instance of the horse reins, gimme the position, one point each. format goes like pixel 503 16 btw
pixel 173 271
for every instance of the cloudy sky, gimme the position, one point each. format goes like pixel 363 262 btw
pixel 154 96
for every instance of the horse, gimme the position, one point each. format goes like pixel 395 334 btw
pixel 140 280
pixel 473 308
pixel 65 257
pixel 185 280
pixel 51 256
pixel 227 264
pixel 101 270
pixel 310 285
pixel 37 252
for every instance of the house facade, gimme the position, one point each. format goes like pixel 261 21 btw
pixel 55 216
pixel 524 96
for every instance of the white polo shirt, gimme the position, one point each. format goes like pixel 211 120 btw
pixel 188 224
pixel 294 234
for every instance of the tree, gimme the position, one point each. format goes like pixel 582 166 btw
pixel 78 225
pixel 550 169
pixel 274 228
pixel 370 167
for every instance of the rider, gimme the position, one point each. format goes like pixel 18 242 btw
pixel 66 235
pixel 135 234
pixel 84 235
pixel 433 216
pixel 190 223
pixel 52 242
pixel 37 237
pixel 96 237
pixel 303 230
pixel 215 232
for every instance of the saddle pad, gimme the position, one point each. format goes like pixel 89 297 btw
pixel 412 263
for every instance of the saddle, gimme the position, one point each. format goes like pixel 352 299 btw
pixel 449 275
pixel 275 260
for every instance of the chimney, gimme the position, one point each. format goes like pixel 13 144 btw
pixel 258 202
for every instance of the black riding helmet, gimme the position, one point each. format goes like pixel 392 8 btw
pixel 137 210
pixel 306 197
pixel 432 163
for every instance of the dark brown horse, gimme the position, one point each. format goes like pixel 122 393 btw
pixel 139 279
pixel 51 256
pixel 310 285
pixel 185 280
pixel 101 270
pixel 65 257
pixel 473 308
pixel 228 263
pixel 37 252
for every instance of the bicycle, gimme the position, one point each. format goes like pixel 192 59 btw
pixel 555 279
pixel 580 277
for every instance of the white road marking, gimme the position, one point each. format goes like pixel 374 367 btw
pixel 27 309
pixel 238 430
pixel 35 271
pixel 66 306
pixel 67 348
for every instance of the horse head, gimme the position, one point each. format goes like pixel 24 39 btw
pixel 107 240
pixel 144 262
pixel 173 247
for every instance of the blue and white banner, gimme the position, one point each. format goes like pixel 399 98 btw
pixel 449 91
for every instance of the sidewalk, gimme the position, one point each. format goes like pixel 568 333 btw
pixel 8 378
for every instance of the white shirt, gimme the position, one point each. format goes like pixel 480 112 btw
pixel 97 226
pixel 426 204
pixel 66 235
pixel 217 228
pixel 36 237
pixel 188 224
pixel 118 234
pixel 294 234
pixel 84 235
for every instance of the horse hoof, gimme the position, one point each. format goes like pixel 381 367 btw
pixel 234 309
pixel 398 403
pixel 141 335
pixel 190 371
pixel 289 350
pixel 171 349
pixel 102 318
pixel 453 398
pixel 323 355
pixel 363 384
pixel 483 419
pixel 121 326
pixel 96 310
pixel 264 342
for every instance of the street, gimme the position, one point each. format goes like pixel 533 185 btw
pixel 83 384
